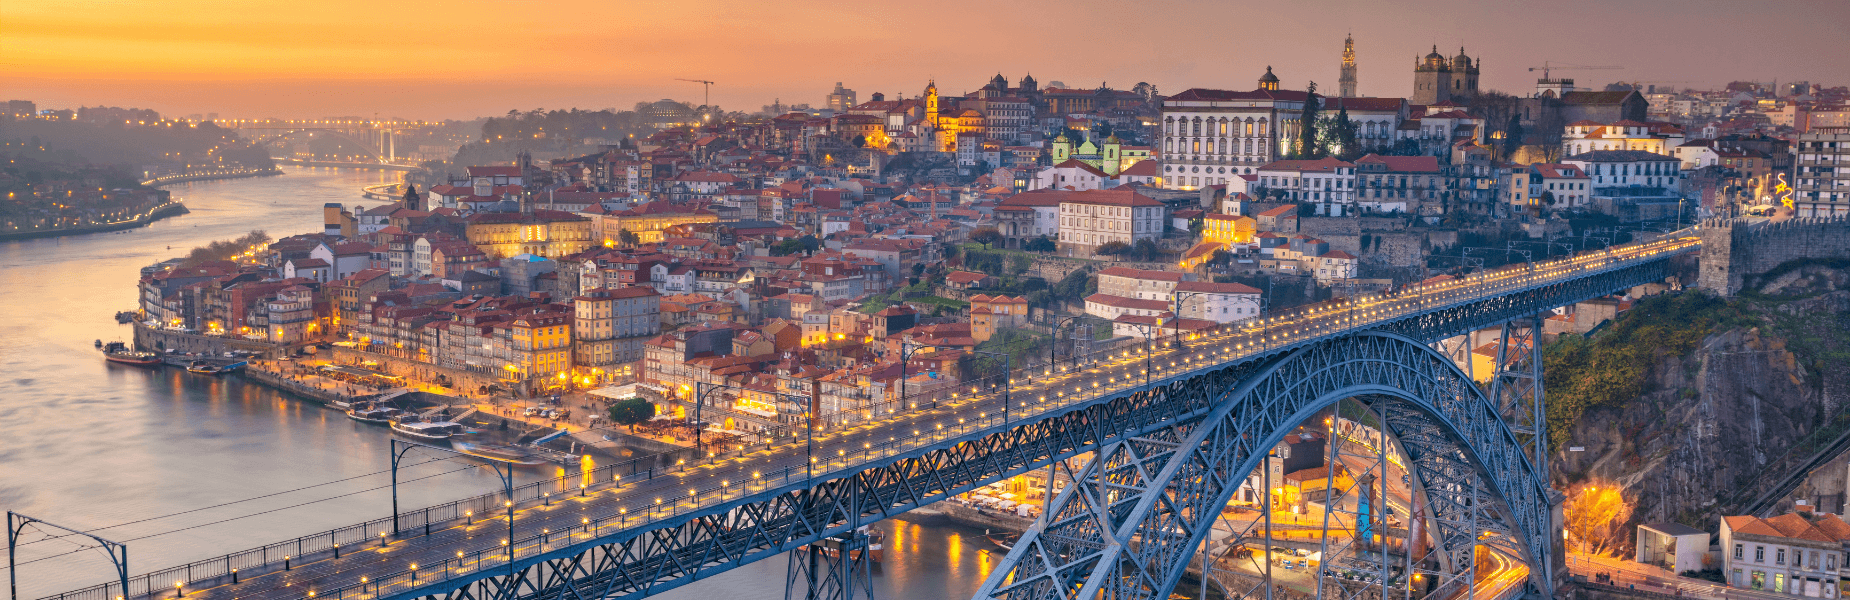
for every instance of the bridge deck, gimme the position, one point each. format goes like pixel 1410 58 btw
pixel 458 552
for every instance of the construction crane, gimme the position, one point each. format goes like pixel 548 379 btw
pixel 1551 65
pixel 706 88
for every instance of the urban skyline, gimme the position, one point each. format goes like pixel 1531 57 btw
pixel 323 62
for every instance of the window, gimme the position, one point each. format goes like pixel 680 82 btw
pixel 1779 556
pixel 1759 554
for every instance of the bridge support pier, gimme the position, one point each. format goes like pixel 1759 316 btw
pixel 835 568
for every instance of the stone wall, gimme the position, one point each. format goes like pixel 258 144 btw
pixel 161 340
pixel 1733 249
pixel 464 382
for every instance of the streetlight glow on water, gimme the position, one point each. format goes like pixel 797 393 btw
pixel 159 442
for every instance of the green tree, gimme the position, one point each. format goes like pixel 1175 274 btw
pixel 1512 137
pixel 1307 125
pixel 1145 250
pixel 631 412
pixel 628 238
pixel 1112 248
pixel 1074 286
pixel 860 141
pixel 1019 264
pixel 987 236
pixel 1040 244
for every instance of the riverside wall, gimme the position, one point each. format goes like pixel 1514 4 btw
pixel 171 208
pixel 162 340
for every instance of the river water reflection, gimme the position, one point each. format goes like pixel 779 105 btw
pixel 88 444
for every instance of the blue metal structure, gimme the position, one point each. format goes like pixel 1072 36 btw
pixel 1171 426
pixel 1129 524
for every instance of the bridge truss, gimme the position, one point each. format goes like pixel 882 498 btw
pixel 1170 450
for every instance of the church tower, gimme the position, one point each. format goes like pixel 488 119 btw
pixel 1346 83
pixel 1432 79
pixel 931 102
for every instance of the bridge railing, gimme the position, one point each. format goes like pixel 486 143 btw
pixel 958 410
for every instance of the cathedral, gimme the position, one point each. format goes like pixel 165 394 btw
pixel 1436 80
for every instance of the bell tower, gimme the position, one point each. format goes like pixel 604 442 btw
pixel 1346 83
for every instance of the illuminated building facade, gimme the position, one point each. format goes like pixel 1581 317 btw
pixel 547 233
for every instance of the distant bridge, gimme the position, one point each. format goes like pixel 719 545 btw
pixel 379 137
pixel 1174 427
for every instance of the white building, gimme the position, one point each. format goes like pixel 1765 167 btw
pixel 1787 554
pixel 1822 185
pixel 1326 183
pixel 1390 184
pixel 1141 284
pixel 1217 302
pixel 1629 168
pixel 1587 136
pixel 1072 175
pixel 1089 219
pixel 1212 135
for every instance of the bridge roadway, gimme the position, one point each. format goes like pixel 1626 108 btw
pixel 454 554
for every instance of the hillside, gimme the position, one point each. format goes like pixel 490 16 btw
pixel 1695 406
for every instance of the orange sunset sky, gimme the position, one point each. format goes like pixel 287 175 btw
pixel 468 58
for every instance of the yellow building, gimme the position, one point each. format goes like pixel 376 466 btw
pixel 547 233
pixel 1228 229
pixel 647 221
pixel 540 349
pixel 947 123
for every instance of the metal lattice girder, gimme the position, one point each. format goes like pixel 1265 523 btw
pixel 643 561
pixel 1452 435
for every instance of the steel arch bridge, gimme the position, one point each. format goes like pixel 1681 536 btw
pixel 1168 422
pixel 1129 524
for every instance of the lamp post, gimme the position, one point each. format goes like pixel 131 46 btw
pixel 507 485
pixel 17 522
pixel 700 395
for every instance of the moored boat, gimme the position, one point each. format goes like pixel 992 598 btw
pixel 372 414
pixel 117 353
pixel 499 453
pixel 202 367
pixel 428 430
pixel 1005 541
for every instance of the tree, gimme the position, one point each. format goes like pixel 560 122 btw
pixel 631 412
pixel 1145 250
pixel 1339 136
pixel 412 200
pixel 1103 129
pixel 1591 513
pixel 1074 286
pixel 628 238
pixel 1019 264
pixel 987 236
pixel 1307 125
pixel 1512 136
pixel 860 141
pixel 1112 248
pixel 1040 244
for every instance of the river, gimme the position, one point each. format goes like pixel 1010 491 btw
pixel 183 467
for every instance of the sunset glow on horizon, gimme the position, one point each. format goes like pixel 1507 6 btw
pixel 481 57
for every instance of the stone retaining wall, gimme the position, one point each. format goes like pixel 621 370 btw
pixel 161 340
pixel 465 382
pixel 1733 249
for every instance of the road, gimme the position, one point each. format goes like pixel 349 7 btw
pixel 605 508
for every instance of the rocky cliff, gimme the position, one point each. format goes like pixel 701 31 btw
pixel 1699 407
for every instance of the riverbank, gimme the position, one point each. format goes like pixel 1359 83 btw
pixel 171 208
pixel 213 175
pixel 345 165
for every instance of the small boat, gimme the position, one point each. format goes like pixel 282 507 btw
pixel 875 549
pixel 499 453
pixel 202 367
pixel 1005 541
pixel 372 414
pixel 118 353
pixel 428 430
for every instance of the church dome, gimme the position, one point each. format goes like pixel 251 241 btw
pixel 1435 59
pixel 1268 81
pixel 1461 61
